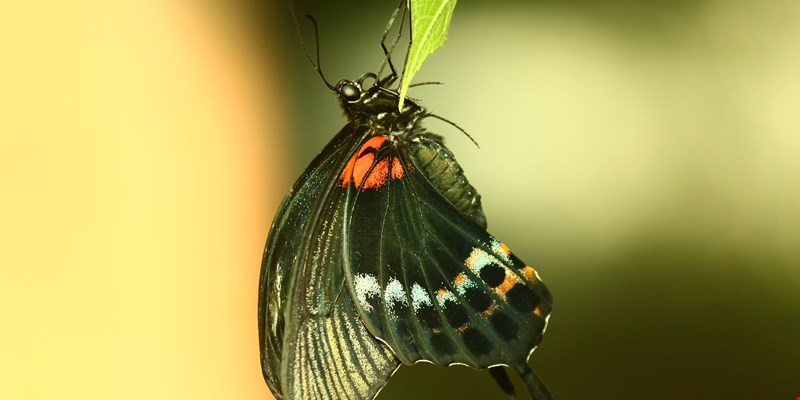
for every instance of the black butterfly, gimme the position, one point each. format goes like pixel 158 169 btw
pixel 379 256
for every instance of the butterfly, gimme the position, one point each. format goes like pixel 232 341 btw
pixel 379 256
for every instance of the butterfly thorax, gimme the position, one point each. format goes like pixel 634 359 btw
pixel 376 106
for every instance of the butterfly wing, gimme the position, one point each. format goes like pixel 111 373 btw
pixel 428 281
pixel 313 343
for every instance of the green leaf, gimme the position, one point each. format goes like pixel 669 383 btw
pixel 430 20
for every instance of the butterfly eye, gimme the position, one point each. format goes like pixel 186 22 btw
pixel 350 92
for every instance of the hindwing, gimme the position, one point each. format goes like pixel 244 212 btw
pixel 428 281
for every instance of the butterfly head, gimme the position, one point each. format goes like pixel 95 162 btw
pixel 376 104
pixel 351 93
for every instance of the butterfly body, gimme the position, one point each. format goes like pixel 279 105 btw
pixel 379 256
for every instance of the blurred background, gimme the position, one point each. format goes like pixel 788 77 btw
pixel 643 155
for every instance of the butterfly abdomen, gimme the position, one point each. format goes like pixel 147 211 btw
pixel 439 165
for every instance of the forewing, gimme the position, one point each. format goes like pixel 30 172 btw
pixel 430 282
pixel 313 344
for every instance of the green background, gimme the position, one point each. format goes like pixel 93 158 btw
pixel 642 155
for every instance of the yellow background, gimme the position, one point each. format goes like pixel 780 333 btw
pixel 136 155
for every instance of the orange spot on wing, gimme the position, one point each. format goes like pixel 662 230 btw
pixel 460 279
pixel 529 273
pixel 505 248
pixel 442 295
pixel 507 284
pixel 538 311
pixel 489 311
pixel 462 328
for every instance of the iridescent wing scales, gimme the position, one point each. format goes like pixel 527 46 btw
pixel 313 343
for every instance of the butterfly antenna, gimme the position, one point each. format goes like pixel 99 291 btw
pixel 455 125
pixel 425 83
pixel 317 65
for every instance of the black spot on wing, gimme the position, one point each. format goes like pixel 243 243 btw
pixel 442 344
pixel 522 298
pixel 476 341
pixel 493 275
pixel 401 309
pixel 478 299
pixel 429 317
pixel 505 326
pixel 456 315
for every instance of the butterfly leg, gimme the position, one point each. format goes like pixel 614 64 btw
pixel 501 377
pixel 536 387
pixel 388 51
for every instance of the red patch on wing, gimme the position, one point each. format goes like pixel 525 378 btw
pixel 397 169
pixel 362 166
pixel 365 172
pixel 358 165
pixel 376 177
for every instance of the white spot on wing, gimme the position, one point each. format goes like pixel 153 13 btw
pixel 463 284
pixel 479 259
pixel 366 286
pixel 394 294
pixel 419 297
pixel 443 296
pixel 546 321
pixel 500 252
pixel 278 281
